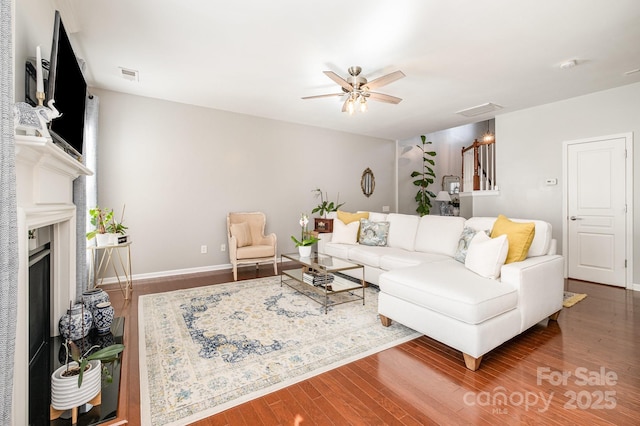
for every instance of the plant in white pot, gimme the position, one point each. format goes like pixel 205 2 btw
pixel 79 381
pixel 306 238
pixel 100 219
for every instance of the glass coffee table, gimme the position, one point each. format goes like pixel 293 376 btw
pixel 316 278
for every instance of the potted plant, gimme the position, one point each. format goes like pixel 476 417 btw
pixel 306 238
pixel 79 381
pixel 426 177
pixel 322 224
pixel 118 229
pixel 100 218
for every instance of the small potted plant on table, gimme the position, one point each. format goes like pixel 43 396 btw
pixel 322 224
pixel 306 238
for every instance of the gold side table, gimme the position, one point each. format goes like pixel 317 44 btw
pixel 120 263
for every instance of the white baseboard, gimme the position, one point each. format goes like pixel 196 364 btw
pixel 174 272
pixel 635 287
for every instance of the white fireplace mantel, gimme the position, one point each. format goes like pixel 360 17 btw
pixel 44 192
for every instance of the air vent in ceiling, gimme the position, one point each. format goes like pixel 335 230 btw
pixel 129 74
pixel 480 109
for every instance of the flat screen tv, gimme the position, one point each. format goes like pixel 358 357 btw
pixel 68 88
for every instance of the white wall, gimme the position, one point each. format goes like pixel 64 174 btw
pixel 529 150
pixel 180 168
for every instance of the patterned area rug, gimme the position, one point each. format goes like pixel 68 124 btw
pixel 207 349
pixel 571 298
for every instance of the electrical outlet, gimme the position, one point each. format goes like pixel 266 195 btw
pixel 203 249
pixel 223 247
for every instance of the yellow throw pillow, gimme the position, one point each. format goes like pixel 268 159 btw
pixel 520 236
pixel 242 233
pixel 347 218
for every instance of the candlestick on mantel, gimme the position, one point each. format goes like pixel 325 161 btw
pixel 39 78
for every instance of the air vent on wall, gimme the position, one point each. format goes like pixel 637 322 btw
pixel 129 74
pixel 480 109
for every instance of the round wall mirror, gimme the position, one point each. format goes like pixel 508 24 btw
pixel 368 182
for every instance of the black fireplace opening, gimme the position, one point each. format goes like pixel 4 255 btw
pixel 39 334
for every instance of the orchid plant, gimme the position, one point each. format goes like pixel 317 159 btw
pixel 306 238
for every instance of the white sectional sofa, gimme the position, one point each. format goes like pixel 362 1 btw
pixel 424 287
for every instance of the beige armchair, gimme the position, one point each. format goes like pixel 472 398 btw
pixel 247 242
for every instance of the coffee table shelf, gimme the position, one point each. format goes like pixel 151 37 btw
pixel 325 266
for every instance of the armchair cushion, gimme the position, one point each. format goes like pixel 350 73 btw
pixel 242 233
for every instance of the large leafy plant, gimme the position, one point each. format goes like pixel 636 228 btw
pixel 426 177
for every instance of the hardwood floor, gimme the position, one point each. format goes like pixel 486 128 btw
pixel 594 344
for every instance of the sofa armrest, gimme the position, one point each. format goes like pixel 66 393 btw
pixel 540 284
pixel 324 238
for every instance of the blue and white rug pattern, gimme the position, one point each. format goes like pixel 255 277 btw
pixel 206 349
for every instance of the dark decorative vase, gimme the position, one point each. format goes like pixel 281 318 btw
pixel 76 324
pixel 103 317
pixel 93 297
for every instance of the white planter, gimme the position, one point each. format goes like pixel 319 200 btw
pixel 103 240
pixel 305 251
pixel 65 393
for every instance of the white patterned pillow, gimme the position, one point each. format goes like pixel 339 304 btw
pixel 463 244
pixel 373 233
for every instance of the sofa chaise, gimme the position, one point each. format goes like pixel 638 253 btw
pixel 445 276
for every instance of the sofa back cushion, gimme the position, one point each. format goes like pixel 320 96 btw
pixel 439 234
pixel 541 241
pixel 402 230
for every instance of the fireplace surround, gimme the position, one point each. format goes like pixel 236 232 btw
pixel 44 189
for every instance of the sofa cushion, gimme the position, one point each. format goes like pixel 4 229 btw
pixel 520 236
pixel 399 258
pixel 542 239
pixel 450 289
pixel 373 233
pixel 337 249
pixel 486 255
pixel 402 230
pixel 345 233
pixel 367 255
pixel 439 234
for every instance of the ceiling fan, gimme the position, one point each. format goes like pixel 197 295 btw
pixel 359 89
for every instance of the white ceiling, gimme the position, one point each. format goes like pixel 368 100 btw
pixel 260 57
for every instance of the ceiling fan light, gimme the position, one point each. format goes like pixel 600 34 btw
pixel 363 104
pixel 350 107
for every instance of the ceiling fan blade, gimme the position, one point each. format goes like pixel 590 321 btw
pixel 323 96
pixel 341 81
pixel 384 80
pixel 381 97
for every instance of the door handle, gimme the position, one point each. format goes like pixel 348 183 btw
pixel 575 218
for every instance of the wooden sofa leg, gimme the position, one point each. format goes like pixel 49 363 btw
pixel 472 363
pixel 385 321
pixel 555 315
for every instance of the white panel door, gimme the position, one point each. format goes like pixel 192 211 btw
pixel 596 209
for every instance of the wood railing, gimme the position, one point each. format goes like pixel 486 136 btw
pixel 478 166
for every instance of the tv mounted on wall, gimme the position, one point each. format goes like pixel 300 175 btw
pixel 68 88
